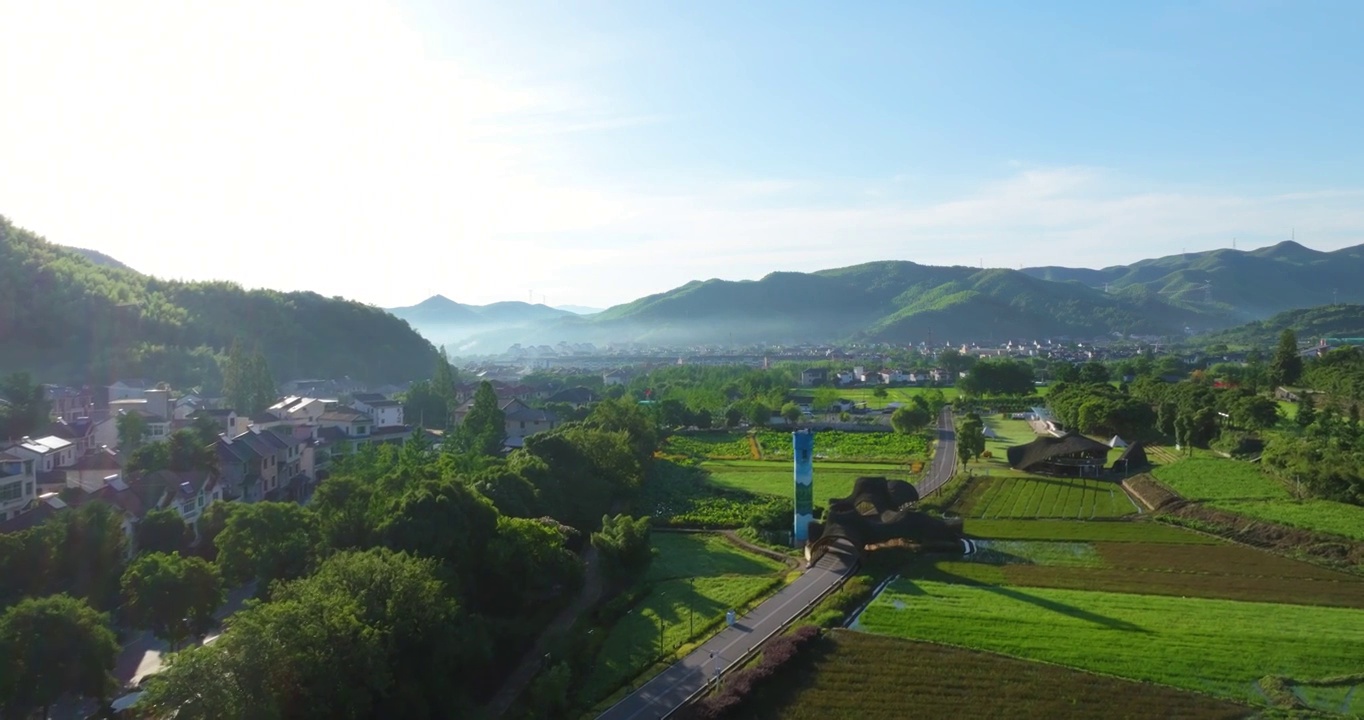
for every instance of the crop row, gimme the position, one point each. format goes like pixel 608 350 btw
pixel 856 676
pixel 840 445
pixel 709 445
pixel 1075 498
pixel 1216 646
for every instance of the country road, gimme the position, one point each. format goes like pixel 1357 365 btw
pixel 669 689
pixel 944 456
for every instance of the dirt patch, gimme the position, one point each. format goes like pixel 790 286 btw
pixel 1316 547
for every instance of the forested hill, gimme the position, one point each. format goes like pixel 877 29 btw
pixel 1247 284
pixel 68 319
pixel 1311 324
pixel 887 301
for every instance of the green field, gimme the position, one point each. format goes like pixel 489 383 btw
pixel 1039 497
pixel 1217 646
pixel 857 676
pixel 680 495
pixel 717 444
pixel 893 395
pixel 1242 488
pixel 850 446
pixel 832 480
pixel 1142 531
pixel 695 578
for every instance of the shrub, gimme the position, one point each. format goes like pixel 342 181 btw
pixel 740 685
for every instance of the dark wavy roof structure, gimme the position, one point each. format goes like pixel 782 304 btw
pixel 877 511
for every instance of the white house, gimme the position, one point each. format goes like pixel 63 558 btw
pixel 299 409
pixel 523 421
pixel 18 484
pixel 385 412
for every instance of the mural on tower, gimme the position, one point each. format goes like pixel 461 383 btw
pixel 803 452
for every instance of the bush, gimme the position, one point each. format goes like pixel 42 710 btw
pixel 740 685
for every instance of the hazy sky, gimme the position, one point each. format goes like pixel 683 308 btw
pixel 594 152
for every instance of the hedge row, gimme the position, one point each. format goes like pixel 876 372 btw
pixel 740 685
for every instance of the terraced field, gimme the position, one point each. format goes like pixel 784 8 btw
pixel 1039 497
pixel 1221 647
pixel 1142 601
pixel 1242 488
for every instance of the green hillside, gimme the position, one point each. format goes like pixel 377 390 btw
pixel 1314 323
pixel 68 319
pixel 1245 285
pixel 896 302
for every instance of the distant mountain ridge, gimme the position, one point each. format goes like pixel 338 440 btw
pixel 905 302
pixel 1309 324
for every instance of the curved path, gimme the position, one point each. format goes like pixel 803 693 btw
pixel 671 688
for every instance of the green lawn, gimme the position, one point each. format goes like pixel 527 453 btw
pixel 868 395
pixel 1218 646
pixel 1117 531
pixel 695 578
pixel 1242 488
pixel 832 480
pixel 1039 497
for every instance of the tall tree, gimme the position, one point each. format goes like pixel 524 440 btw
pixel 484 429
pixel 172 596
pixel 909 418
pixel 1286 366
pixel 623 542
pixel 132 431
pixel 162 530
pixel 28 410
pixel 51 647
pixel 267 541
pixel 970 436
pixel 247 382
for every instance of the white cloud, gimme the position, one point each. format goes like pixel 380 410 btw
pixel 328 146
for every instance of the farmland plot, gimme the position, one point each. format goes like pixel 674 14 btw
pixel 1217 646
pixel 1038 497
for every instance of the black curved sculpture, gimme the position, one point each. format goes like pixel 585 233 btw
pixel 878 511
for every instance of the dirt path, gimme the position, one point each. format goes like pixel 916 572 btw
pixel 532 661
pixel 755 448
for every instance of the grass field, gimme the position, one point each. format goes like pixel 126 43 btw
pixel 832 480
pixel 695 578
pixel 850 446
pixel 856 676
pixel 1217 646
pixel 893 395
pixel 1039 497
pixel 680 495
pixel 1242 488
pixel 1070 530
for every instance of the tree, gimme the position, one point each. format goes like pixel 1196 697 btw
pixel 880 392
pixel 998 377
pixel 484 429
pixel 28 410
pixel 790 412
pixel 172 596
pixel 970 436
pixel 1307 412
pixel 132 431
pixel 825 400
pixel 162 530
pixel 51 647
pixel 759 415
pixel 909 418
pixel 1094 372
pixel 704 419
pixel 247 382
pixel 1286 366
pixel 624 545
pixel 733 416
pixel 267 541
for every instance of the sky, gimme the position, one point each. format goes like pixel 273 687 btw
pixel 590 153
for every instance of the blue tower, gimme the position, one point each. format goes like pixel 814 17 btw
pixel 803 450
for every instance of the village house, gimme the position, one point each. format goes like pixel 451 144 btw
pixel 70 403
pixel 523 421
pixel 80 432
pixel 94 469
pixel 227 420
pixel 131 389
pixel 18 484
pixel 299 409
pixel 384 412
pixel 187 492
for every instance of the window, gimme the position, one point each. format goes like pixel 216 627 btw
pixel 12 491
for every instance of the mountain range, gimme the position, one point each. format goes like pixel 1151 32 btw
pixel 77 316
pixel 1309 324
pixel 905 302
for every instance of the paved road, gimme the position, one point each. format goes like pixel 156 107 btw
pixel 670 688
pixel 944 456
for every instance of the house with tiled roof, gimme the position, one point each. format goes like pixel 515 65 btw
pixel 69 403
pixel 386 413
pixel 299 409
pixel 187 492
pixel 80 432
pixel 94 469
pixel 226 418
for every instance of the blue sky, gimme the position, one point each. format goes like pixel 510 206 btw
pixel 593 152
